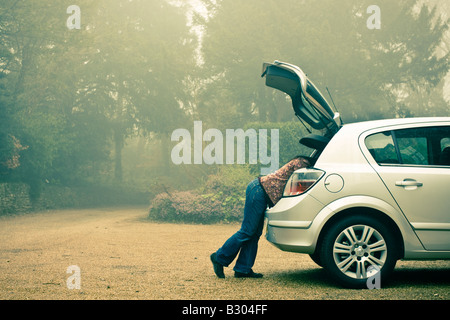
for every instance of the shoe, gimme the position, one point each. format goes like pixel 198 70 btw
pixel 251 274
pixel 218 268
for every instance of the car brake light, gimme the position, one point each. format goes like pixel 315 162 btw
pixel 301 181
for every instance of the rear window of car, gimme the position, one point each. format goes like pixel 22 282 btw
pixel 382 148
pixel 417 146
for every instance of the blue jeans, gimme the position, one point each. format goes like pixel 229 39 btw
pixel 246 239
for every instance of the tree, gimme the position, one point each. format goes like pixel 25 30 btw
pixel 367 71
pixel 36 120
pixel 142 51
pixel 70 93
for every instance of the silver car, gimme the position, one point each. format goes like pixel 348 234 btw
pixel 376 191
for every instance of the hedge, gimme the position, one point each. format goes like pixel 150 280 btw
pixel 221 199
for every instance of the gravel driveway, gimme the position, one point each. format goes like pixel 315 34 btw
pixel 121 255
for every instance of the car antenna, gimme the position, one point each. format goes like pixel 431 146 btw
pixel 333 103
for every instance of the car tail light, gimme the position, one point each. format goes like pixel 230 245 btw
pixel 301 181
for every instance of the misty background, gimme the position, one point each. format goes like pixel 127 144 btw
pixel 86 115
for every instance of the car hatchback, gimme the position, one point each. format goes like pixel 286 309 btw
pixel 376 191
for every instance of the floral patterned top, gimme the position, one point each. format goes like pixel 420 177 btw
pixel 274 183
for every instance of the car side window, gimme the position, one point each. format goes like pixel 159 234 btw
pixel 381 146
pixel 427 146
pixel 444 157
pixel 413 146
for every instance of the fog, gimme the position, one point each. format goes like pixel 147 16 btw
pixel 91 92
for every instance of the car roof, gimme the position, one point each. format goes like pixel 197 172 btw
pixel 374 124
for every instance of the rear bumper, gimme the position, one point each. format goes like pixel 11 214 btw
pixel 293 239
pixel 289 225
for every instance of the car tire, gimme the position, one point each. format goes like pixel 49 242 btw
pixel 356 248
pixel 316 258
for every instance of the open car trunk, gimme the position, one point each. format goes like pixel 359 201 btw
pixel 308 103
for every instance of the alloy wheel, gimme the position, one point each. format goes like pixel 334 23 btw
pixel 360 251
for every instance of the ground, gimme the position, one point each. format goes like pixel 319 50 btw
pixel 122 255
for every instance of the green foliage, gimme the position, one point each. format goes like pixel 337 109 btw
pixel 14 197
pixel 8 152
pixel 222 195
pixel 221 199
pixel 186 207
pixel 290 134
pixel 71 99
pixel 369 72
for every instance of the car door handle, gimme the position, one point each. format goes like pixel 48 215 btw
pixel 409 183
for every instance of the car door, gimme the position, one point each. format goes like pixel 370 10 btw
pixel 413 165
pixel 307 101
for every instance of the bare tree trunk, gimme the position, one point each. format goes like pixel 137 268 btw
pixel 165 152
pixel 118 146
